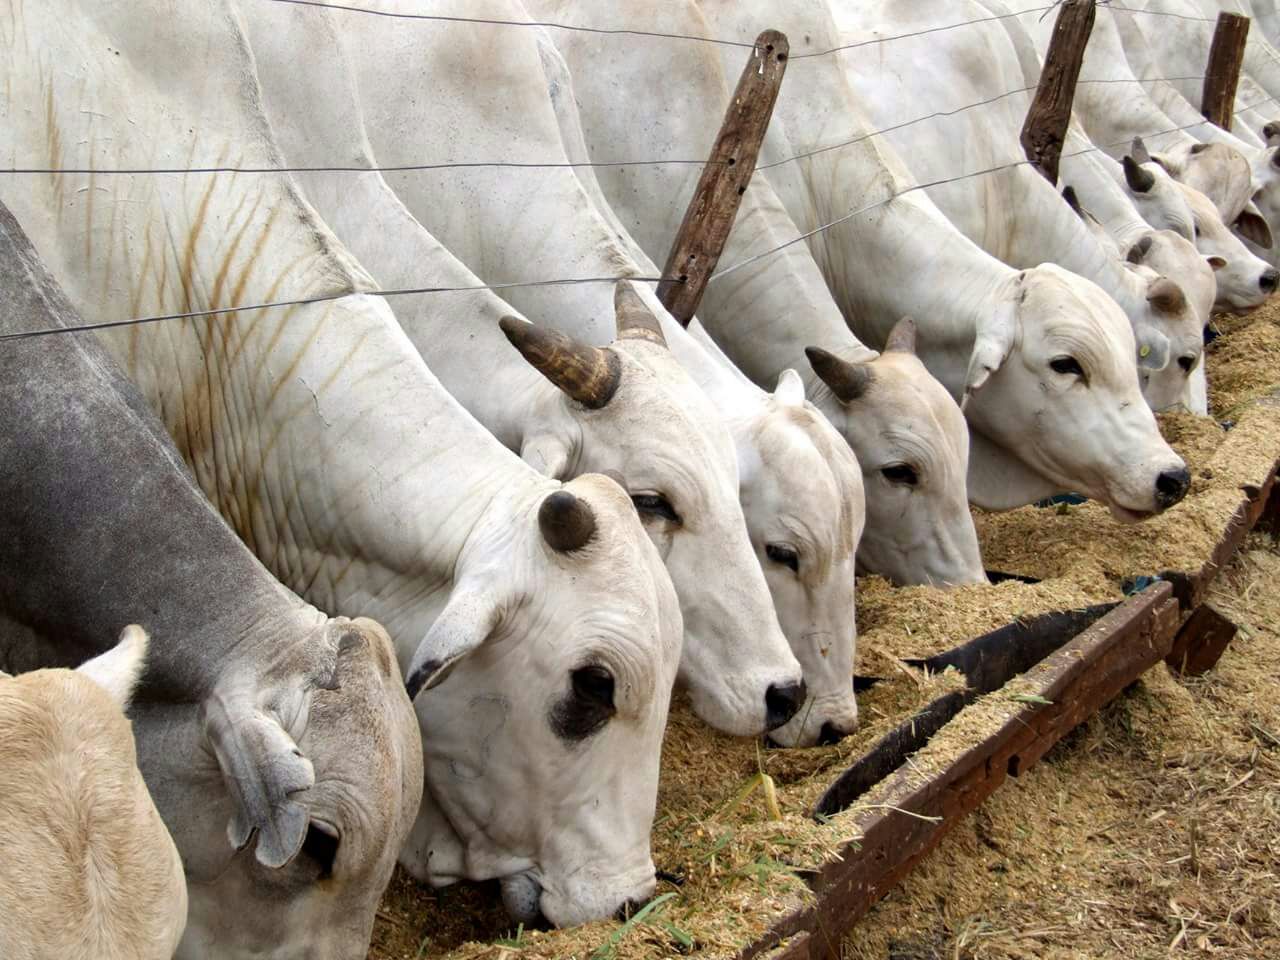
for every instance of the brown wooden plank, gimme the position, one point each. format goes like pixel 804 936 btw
pixel 1221 76
pixel 1201 641
pixel 1045 129
pixel 714 205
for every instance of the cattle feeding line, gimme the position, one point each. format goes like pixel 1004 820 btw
pixel 822 228
pixel 533 165
pixel 323 298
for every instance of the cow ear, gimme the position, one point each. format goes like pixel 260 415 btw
pixel 1252 226
pixel 993 345
pixel 1138 151
pixel 548 454
pixel 466 622
pixel 1217 263
pixel 790 389
pixel 264 772
pixel 117 671
pixel 1153 348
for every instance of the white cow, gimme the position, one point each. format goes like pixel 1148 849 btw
pixel 320 434
pixel 87 869
pixel 1015 344
pixel 656 431
pixel 907 433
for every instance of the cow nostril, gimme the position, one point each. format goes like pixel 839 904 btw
pixel 1187 363
pixel 628 910
pixel 829 735
pixel 782 702
pixel 1270 280
pixel 1171 486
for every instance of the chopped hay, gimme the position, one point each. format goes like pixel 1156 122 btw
pixel 1150 831
pixel 743 871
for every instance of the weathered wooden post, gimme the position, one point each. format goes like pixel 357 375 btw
pixel 1221 76
pixel 711 212
pixel 1045 129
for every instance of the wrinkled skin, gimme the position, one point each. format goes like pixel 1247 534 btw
pixel 1092 433
pixel 543 781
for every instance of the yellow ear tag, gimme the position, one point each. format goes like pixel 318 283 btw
pixel 1145 351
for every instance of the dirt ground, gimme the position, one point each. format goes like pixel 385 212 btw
pixel 1151 831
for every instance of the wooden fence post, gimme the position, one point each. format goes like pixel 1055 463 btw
pixel 711 211
pixel 1226 54
pixel 1045 129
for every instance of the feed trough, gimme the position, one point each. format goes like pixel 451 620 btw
pixel 961 690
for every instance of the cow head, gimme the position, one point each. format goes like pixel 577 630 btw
pixel 1179 312
pixel 913 446
pixel 289 789
pixel 631 411
pixel 803 499
pixel 1244 280
pixel 1051 380
pixel 543 690
pixel 1266 201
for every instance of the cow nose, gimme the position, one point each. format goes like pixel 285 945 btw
pixel 781 703
pixel 829 735
pixel 1171 486
pixel 1270 280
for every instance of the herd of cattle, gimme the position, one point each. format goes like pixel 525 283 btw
pixel 544 539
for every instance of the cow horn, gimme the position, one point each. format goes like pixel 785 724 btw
pixel 902 338
pixel 588 374
pixel 567 522
pixel 635 320
pixel 1139 180
pixel 1139 151
pixel 1270 130
pixel 1139 250
pixel 848 381
pixel 1165 296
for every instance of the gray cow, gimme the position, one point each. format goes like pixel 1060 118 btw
pixel 278 744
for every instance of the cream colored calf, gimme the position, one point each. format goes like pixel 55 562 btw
pixel 87 869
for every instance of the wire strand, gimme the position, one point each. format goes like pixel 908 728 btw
pixel 322 298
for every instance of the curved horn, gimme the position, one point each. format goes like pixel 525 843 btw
pixel 902 338
pixel 635 320
pixel 1139 151
pixel 588 374
pixel 1165 296
pixel 848 381
pixel 567 522
pixel 1139 180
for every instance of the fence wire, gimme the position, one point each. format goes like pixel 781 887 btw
pixel 406 168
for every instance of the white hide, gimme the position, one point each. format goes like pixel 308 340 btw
pixel 322 437
pixel 658 431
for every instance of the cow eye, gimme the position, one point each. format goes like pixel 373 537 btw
pixel 779 553
pixel 900 473
pixel 588 706
pixel 1067 366
pixel 655 505
pixel 320 849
